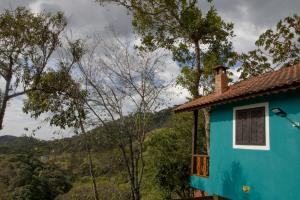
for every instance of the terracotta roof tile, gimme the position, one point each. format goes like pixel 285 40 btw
pixel 285 78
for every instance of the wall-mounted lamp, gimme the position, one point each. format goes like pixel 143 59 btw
pixel 281 113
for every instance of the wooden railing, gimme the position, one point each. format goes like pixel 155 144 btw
pixel 201 165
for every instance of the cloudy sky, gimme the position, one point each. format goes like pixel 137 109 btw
pixel 85 17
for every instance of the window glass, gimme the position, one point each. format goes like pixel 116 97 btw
pixel 250 126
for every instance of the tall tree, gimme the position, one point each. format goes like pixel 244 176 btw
pixel 124 86
pixel 199 40
pixel 27 42
pixel 62 96
pixel 168 164
pixel 275 48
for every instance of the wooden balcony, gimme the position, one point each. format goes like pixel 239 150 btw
pixel 200 165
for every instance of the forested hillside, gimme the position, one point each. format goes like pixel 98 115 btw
pixel 61 167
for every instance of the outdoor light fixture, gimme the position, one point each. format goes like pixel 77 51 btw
pixel 296 124
pixel 281 113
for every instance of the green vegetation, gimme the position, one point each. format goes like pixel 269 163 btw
pixel 68 155
pixel 27 42
pixel 25 177
pixel 275 49
pixel 166 172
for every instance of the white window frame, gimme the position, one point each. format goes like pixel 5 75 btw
pixel 267 131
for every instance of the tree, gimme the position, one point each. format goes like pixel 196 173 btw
pixel 275 49
pixel 170 162
pixel 56 98
pixel 167 162
pixel 198 41
pixel 125 88
pixel 28 178
pixel 27 42
pixel 119 79
pixel 63 98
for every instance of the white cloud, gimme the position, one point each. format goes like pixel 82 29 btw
pixel 177 95
pixel 246 35
pixel 86 17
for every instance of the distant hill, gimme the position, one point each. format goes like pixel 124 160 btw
pixel 68 156
pixel 5 139
pixel 30 145
pixel 15 145
pixel 14 140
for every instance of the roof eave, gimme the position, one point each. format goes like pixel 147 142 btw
pixel 274 90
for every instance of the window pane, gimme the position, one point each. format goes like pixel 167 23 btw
pixel 238 130
pixel 250 126
pixel 258 126
pixel 241 127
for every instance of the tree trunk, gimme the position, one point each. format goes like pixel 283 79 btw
pixel 91 169
pixel 2 111
pixel 137 195
pixel 206 112
pixel 4 101
pixel 197 70
pixel 196 93
pixel 91 166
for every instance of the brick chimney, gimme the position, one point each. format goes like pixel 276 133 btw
pixel 221 79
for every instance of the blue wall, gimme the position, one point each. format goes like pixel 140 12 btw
pixel 271 174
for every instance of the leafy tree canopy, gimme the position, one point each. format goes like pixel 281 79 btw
pixel 24 177
pixel 60 95
pixel 168 163
pixel 275 48
pixel 27 42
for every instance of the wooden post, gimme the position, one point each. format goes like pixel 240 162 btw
pixel 194 138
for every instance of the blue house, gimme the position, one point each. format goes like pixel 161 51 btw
pixel 254 137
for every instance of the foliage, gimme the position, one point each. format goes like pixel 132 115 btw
pixel 168 163
pixel 58 94
pixel 27 42
pixel 171 172
pixel 69 155
pixel 25 177
pixel 107 191
pixel 275 49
